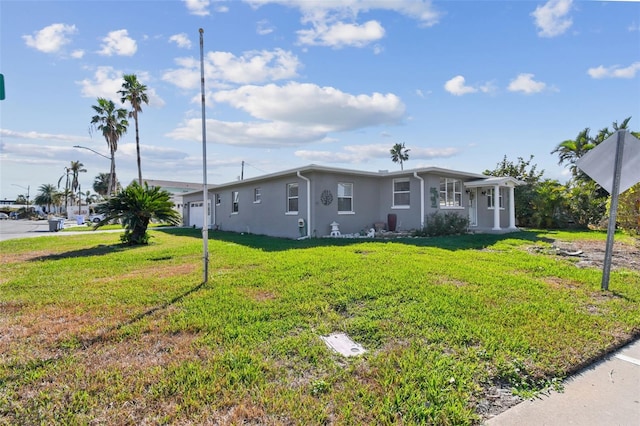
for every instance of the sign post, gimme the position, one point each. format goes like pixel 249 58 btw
pixel 615 176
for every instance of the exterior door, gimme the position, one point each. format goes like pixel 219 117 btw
pixel 473 207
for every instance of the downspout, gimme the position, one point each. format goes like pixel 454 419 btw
pixel 308 203
pixel 415 174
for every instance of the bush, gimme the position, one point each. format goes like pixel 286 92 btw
pixel 438 224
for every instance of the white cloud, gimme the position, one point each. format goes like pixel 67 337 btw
pixel 614 71
pixel 107 81
pixel 50 39
pixel 77 54
pixel 105 84
pixel 309 105
pixel 341 34
pixel 364 153
pixel 264 27
pixel 42 136
pixel 225 67
pixel 198 7
pixel 292 115
pixel 456 86
pixel 118 43
pixel 526 84
pixel 335 23
pixel 552 18
pixel 182 40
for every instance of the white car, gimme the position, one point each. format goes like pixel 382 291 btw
pixel 95 218
pixel 4 216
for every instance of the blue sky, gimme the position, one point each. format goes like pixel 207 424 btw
pixel 329 82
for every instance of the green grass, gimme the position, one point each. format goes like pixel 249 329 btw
pixel 96 332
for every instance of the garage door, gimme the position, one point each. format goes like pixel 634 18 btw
pixel 196 213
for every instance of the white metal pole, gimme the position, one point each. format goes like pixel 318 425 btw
pixel 205 195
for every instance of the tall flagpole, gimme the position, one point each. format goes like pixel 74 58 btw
pixel 205 195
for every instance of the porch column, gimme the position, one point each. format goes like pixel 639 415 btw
pixel 512 208
pixel 496 208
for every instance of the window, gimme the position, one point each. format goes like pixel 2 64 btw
pixel 401 192
pixel 292 198
pixel 490 199
pixel 345 197
pixel 256 195
pixel 450 192
pixel 218 199
pixel 234 201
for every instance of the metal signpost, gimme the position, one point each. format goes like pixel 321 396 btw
pixel 205 196
pixel 613 164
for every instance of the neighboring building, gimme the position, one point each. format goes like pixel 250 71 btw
pixel 177 190
pixel 306 201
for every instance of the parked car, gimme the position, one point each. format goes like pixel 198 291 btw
pixel 95 218
pixel 4 216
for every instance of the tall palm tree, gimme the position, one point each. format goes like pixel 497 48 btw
pixel 67 171
pixel 113 124
pixel 47 195
pixel 135 206
pixel 76 168
pixel 399 154
pixel 134 93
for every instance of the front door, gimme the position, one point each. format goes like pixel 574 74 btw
pixel 473 206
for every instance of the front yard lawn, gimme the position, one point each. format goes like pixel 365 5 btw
pixel 95 332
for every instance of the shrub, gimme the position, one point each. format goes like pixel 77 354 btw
pixel 437 224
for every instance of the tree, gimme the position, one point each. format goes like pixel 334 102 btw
pixel 134 93
pixel 21 199
pixel 135 206
pixel 399 154
pixel 524 195
pixel 47 196
pixel 76 168
pixel 628 217
pixel 66 192
pixel 570 151
pixel 112 123
pixel 101 184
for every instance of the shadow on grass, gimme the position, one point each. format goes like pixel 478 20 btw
pixel 32 365
pixel 266 243
pixel 98 250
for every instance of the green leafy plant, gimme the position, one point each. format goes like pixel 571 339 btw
pixel 134 207
pixel 441 224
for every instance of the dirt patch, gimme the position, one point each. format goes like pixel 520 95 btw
pixel 590 254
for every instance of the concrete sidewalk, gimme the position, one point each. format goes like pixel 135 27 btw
pixel 605 394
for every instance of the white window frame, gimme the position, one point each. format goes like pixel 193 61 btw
pixel 449 197
pixel 257 196
pixel 235 202
pixel 490 199
pixel 218 199
pixel 290 198
pixel 341 195
pixel 394 193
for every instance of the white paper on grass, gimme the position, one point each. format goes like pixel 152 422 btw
pixel 599 162
pixel 342 344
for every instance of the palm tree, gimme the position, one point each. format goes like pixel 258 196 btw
pixel 101 184
pixel 48 195
pixel 76 168
pixel 571 150
pixel 113 124
pixel 67 170
pixel 399 154
pixel 135 206
pixel 134 93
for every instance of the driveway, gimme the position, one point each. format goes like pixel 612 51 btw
pixel 23 228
